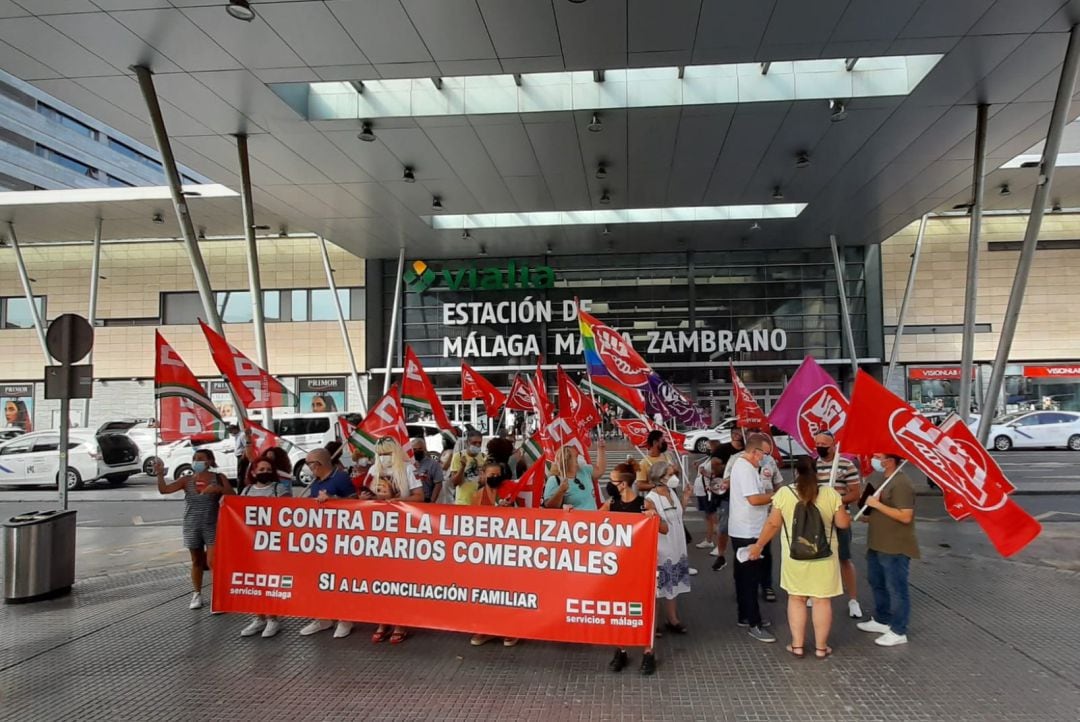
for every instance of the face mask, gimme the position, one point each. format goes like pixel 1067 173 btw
pixel 419 454
pixel 878 464
pixel 663 447
pixel 823 451
pixel 386 460
pixel 673 482
pixel 494 481
pixel 474 450
pixel 266 477
pixel 199 466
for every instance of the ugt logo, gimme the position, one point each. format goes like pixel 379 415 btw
pixel 419 276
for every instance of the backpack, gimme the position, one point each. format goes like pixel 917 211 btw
pixel 807 540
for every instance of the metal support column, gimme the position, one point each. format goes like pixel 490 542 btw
pixel 25 278
pixel 258 318
pixel 909 291
pixel 91 316
pixel 395 311
pixel 1058 117
pixel 183 216
pixel 967 350
pixel 845 315
pixel 344 328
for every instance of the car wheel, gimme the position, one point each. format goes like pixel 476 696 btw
pixel 117 480
pixel 148 465
pixel 1003 443
pixel 303 474
pixel 74 479
pixel 182 470
pixel 1074 442
pixel 701 446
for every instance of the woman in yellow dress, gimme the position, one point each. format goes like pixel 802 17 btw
pixel 814 579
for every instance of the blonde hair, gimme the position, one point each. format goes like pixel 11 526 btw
pixel 563 458
pixel 396 471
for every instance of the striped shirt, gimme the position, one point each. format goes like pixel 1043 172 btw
pixel 846 473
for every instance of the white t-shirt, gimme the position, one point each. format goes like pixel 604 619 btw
pixel 745 521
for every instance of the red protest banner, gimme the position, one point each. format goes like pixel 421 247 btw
pixel 512 572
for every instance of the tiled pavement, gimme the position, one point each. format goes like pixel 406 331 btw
pixel 990 640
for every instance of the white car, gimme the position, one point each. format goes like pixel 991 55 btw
pixel 1034 430
pixel 144 435
pixel 34 458
pixel 177 458
pixel 698 441
pixel 433 437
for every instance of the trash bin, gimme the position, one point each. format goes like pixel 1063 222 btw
pixel 39 555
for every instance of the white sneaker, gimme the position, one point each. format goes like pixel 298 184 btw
pixel 315 626
pixel 890 639
pixel 853 609
pixel 343 629
pixel 273 626
pixel 715 552
pixel 693 572
pixel 873 626
pixel 196 601
pixel 704 544
pixel 255 626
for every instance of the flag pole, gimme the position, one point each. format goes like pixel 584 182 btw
pixel 880 489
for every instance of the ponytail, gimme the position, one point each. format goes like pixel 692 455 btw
pixel 806 481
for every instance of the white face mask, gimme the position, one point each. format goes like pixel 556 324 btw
pixel 673 482
pixel 386 460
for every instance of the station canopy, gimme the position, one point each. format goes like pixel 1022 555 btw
pixel 575 126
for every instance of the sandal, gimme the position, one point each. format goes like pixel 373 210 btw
pixel 379 636
pixel 398 637
pixel 823 653
pixel 797 654
pixel 679 628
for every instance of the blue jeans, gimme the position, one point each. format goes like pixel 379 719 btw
pixel 888 576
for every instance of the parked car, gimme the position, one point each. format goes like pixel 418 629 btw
pixel 177 458
pixel 698 441
pixel 34 458
pixel 1034 430
pixel 145 435
pixel 433 436
pixel 10 433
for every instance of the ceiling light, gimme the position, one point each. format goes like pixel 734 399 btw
pixel 408 176
pixel 158 218
pixel 202 233
pixel 1004 190
pixel 366 133
pixel 802 159
pixel 548 250
pixel 777 194
pixel 436 203
pixel 755 226
pixel 605 217
pixel 465 234
pixel 595 126
pixel 606 231
pixel 482 251
pixel 577 2
pixel 261 227
pixel 241 10
pixel 605 198
pixel 839 110
pixel 1056 208
pixel 601 172
pixel 283 231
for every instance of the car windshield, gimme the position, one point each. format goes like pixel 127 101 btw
pixel 1009 418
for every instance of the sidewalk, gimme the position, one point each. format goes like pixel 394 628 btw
pixel 983 646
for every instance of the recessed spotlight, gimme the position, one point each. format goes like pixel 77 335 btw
pixel 755 226
pixel 482 251
pixel 601 172
pixel 605 198
pixel 1004 190
pixel 802 159
pixel 465 234
pixel 158 218
pixel 366 133
pixel 777 194
pixel 241 10
pixel 595 126
pixel 839 110
pixel 436 203
pixel 408 176
pixel 606 231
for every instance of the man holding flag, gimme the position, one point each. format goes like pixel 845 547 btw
pixel 843 476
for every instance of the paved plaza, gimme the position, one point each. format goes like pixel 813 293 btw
pixel 991 639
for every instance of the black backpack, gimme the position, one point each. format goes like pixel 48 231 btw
pixel 807 540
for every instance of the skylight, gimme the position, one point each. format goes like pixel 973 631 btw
pixel 620 88
pixel 620 215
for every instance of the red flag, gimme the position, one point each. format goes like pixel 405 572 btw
pixel 750 415
pixel 520 397
pixel 541 403
pixel 637 431
pixel 253 386
pixel 626 398
pixel 475 386
pixel 531 484
pixel 418 393
pixel 386 418
pixel 186 412
pixel 262 438
pixel 575 405
pixel 879 422
pixel 562 432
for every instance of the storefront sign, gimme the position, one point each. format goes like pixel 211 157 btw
pixel 321 393
pixel 1068 371
pixel 532 573
pixel 17 401
pixel 419 277
pixel 936 373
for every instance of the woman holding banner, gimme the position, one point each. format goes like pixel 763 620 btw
pixel 672 563
pixel 264 483
pixel 496 489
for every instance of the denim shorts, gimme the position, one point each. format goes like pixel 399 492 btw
pixel 721 509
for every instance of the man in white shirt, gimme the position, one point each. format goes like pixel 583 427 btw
pixel 750 499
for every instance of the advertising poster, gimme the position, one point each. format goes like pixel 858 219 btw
pixel 320 394
pixel 18 405
pixel 512 572
pixel 218 391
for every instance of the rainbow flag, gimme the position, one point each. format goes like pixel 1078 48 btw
pixel 593 362
pixel 608 353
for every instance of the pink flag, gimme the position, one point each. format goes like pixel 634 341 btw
pixel 811 403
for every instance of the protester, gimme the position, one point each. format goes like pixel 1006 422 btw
pixel 465 469
pixel 672 562
pixel 329 483
pixel 203 489
pixel 334 448
pixel 264 483
pixel 657 450
pixel 390 466
pixel 624 498
pixel 771 480
pixel 750 499
pixel 429 471
pixel 848 486
pixel 816 580
pixel 703 497
pixel 891 545
pixel 240 451
pixel 570 483
pixel 497 489
pixel 279 459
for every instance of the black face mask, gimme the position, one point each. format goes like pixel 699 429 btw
pixel 266 477
pixel 419 454
pixel 494 482
pixel 824 451
pixel 663 447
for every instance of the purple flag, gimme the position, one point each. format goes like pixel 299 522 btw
pixel 811 403
pixel 663 398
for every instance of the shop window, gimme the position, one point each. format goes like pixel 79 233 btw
pixel 15 312
pixel 185 308
pixel 66 120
